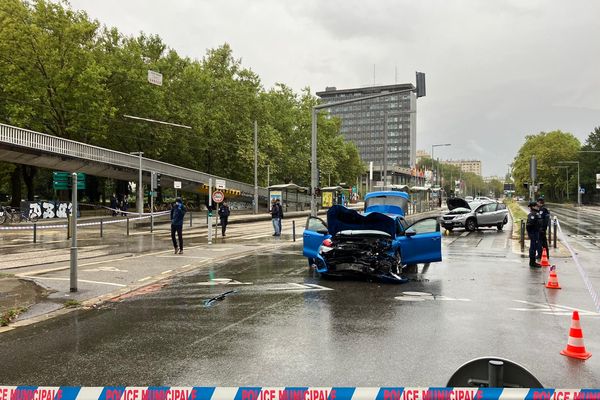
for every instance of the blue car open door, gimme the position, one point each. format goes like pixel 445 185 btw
pixel 315 232
pixel 422 242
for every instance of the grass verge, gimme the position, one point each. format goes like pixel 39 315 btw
pixel 72 304
pixel 7 316
pixel 517 214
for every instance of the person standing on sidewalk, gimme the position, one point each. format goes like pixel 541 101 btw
pixel 545 216
pixel 223 215
pixel 177 213
pixel 275 217
pixel 533 226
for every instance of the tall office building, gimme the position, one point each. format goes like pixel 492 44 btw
pixel 363 123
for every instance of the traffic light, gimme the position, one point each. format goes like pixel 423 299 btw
pixel 317 191
pixel 526 185
pixel 157 180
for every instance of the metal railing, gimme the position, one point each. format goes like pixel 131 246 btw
pixel 65 147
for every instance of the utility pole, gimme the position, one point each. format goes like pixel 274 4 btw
pixel 73 264
pixel 385 149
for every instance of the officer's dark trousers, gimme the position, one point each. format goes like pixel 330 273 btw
pixel 179 230
pixel 534 244
pixel 223 225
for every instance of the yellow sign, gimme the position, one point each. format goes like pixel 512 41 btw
pixel 327 199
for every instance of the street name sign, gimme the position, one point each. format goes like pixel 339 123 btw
pixel 177 185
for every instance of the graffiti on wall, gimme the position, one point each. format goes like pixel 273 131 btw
pixel 47 209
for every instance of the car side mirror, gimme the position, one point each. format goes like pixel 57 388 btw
pixel 410 232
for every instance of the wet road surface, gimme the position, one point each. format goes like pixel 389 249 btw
pixel 285 326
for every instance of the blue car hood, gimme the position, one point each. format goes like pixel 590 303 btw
pixel 340 218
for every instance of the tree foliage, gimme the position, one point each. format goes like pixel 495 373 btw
pixel 67 75
pixel 549 149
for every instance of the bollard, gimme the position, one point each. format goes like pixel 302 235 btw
pixel 101 227
pixel 151 223
pixel 555 229
pixel 190 219
pixel 522 235
pixel 127 226
pixel 294 231
pixel 495 373
pixel 34 232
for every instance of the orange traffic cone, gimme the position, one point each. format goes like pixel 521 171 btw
pixel 575 347
pixel 553 279
pixel 545 262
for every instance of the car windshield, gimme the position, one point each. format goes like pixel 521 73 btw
pixel 386 201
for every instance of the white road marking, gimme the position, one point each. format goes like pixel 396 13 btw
pixel 167 271
pixel 105 269
pixel 144 279
pixel 553 309
pixel 464 234
pixel 79 280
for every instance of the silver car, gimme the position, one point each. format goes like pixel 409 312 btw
pixel 472 216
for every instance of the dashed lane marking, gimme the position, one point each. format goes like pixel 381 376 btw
pixel 144 279
pixel 167 271
pixel 79 280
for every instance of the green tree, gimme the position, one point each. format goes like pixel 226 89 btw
pixel 549 149
pixel 590 164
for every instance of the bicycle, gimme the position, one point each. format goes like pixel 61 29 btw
pixel 16 216
pixel 5 213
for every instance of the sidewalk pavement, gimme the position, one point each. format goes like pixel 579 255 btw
pixel 112 279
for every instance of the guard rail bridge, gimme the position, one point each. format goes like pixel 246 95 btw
pixel 23 146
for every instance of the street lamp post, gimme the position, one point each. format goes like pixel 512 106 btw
pixel 432 148
pixel 140 192
pixel 313 152
pixel 578 187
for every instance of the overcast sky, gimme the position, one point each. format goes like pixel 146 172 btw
pixel 496 69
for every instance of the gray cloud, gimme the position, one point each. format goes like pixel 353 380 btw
pixel 496 70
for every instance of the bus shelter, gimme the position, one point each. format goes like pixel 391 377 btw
pixel 420 197
pixel 287 193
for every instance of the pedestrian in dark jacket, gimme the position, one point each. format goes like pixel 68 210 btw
pixel 533 226
pixel 224 215
pixel 545 217
pixel 178 211
pixel 114 204
pixel 275 217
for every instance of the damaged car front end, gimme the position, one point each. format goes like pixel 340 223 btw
pixel 374 246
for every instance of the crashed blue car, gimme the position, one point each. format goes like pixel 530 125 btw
pixel 377 244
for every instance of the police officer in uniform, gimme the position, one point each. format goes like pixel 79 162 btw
pixel 534 223
pixel 545 216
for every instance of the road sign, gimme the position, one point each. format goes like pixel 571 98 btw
pixel 62 180
pixel 218 196
pixel 582 190
pixel 220 183
pixel 177 184
pixel 155 77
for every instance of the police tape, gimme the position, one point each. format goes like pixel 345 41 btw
pixel 84 224
pixel 289 393
pixel 586 280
